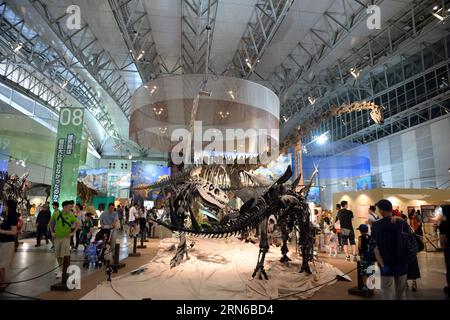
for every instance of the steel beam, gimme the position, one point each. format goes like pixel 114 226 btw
pixel 265 21
pixel 86 48
pixel 197 29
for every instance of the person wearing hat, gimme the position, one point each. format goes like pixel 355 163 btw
pixel 364 251
pixel 394 267
pixel 62 229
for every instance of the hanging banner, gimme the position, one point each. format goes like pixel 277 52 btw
pixel 67 155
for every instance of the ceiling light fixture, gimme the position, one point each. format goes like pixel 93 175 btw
pixel 224 114
pixel 130 156
pixel 355 72
pixel 140 55
pixel 153 89
pixel 64 84
pixel 158 111
pixel 231 94
pixel 163 130
pixel 312 100
pixel 18 47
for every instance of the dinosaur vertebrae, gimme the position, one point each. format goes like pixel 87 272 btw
pixel 376 113
pixel 226 176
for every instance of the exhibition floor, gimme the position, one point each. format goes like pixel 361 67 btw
pixel 30 261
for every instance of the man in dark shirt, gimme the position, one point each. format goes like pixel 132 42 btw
pixel 42 220
pixel 386 234
pixel 444 231
pixel 345 218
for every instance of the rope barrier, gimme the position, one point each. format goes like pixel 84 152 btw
pixel 34 278
pixel 20 295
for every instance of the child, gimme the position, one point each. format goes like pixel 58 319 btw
pixel 333 242
pixel 365 251
pixel 86 230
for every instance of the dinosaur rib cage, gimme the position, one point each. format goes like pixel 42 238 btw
pixel 246 221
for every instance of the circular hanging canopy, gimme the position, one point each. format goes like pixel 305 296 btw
pixel 165 104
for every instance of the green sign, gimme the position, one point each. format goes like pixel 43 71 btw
pixel 67 155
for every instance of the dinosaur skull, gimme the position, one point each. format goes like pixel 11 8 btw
pixel 212 194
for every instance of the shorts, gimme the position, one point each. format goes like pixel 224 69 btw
pixel 6 254
pixel 62 247
pixel 350 237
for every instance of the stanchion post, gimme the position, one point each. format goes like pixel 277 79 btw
pixel 142 245
pixel 63 285
pixel 134 253
pixel 116 263
pixel 361 290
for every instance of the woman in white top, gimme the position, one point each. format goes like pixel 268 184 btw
pixel 371 218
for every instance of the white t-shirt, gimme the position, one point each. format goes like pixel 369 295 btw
pixel 132 215
pixel 370 220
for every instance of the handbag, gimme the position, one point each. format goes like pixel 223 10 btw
pixel 420 243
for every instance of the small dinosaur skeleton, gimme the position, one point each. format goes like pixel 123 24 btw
pixel 15 188
pixel 376 113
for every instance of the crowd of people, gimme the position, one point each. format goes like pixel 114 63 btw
pixel 383 238
pixel 69 226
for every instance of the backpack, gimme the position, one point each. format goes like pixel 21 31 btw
pixel 407 247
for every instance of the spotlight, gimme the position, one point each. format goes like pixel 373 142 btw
pixel 18 47
pixel 312 100
pixel 231 94
pixel 64 84
pixel 224 114
pixel 437 12
pixel 130 156
pixel 158 111
pixel 322 139
pixel 140 55
pixel 153 89
pixel 355 72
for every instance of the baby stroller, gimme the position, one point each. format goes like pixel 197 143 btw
pixel 94 254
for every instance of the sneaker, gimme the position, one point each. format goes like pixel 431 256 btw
pixel 347 258
pixel 59 275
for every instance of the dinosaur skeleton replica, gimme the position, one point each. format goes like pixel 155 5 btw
pixel 376 113
pixel 287 206
pixel 14 187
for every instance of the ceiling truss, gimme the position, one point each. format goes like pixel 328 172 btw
pixel 197 29
pixel 266 19
pixel 29 52
pixel 134 23
pixel 89 53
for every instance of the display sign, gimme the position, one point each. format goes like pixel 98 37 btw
pixel 67 158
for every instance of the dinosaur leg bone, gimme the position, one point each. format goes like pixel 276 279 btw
pixel 263 248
